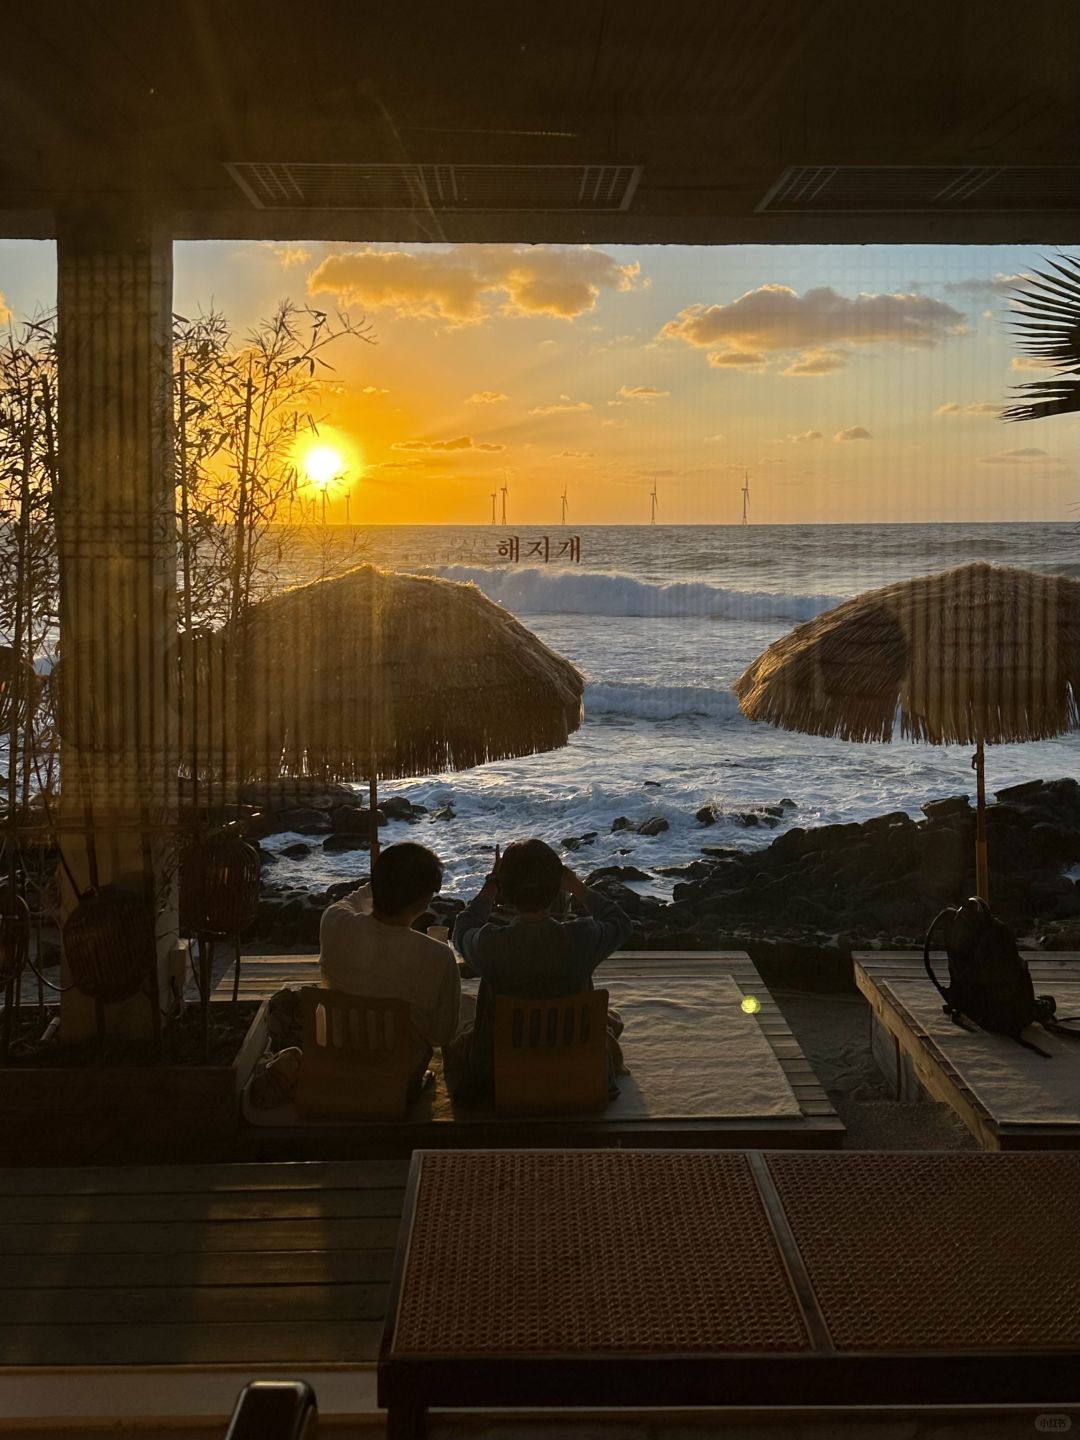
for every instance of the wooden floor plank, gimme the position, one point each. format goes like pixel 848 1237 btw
pixel 189 1237
pixel 162 1209
pixel 297 1175
pixel 282 1343
pixel 200 1270
pixel 185 1305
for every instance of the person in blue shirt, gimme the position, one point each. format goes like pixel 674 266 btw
pixel 536 955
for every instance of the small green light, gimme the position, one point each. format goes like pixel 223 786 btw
pixel 750 1005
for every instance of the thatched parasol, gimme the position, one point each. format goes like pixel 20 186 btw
pixel 377 674
pixel 979 655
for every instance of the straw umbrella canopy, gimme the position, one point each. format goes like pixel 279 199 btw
pixel 979 655
pixel 375 674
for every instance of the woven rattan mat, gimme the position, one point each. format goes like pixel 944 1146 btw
pixel 593 1252
pixel 913 1251
pixel 1016 1086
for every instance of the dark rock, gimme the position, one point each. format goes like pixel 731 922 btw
pixel 297 851
pixel 306 821
pixel 706 815
pixel 445 812
pixel 651 784
pixel 617 872
pixel 886 822
pixel 397 808
pixel 725 852
pixel 1025 790
pixel 354 819
pixel 655 825
pixel 337 843
pixel 953 805
pixel 575 842
pixel 266 859
pixel 622 822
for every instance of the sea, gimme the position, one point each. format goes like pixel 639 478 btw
pixel 662 620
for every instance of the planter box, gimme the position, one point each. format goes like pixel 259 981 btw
pixel 125 1114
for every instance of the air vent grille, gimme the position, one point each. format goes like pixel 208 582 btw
pixel 842 189
pixel 281 185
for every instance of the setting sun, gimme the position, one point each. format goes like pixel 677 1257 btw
pixel 323 464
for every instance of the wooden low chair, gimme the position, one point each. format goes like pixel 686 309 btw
pixel 356 1056
pixel 551 1055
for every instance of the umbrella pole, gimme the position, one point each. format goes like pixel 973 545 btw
pixel 982 869
pixel 373 819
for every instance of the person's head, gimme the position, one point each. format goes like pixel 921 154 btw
pixel 530 875
pixel 403 880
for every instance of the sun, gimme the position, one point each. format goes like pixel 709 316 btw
pixel 323 464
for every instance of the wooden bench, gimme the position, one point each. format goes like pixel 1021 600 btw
pixel 917 1066
pixel 653 1279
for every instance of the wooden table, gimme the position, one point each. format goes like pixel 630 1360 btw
pixel 817 1126
pixel 915 1063
pixel 648 1279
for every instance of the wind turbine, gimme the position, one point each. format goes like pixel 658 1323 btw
pixel 655 502
pixel 745 496
pixel 504 487
pixel 564 505
pixel 494 497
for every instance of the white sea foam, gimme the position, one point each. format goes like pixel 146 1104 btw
pixel 536 590
pixel 659 702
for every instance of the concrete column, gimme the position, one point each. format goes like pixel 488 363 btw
pixel 117 539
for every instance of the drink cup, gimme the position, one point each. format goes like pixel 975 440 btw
pixel 439 932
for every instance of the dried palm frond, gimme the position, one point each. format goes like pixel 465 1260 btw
pixel 982 652
pixel 1048 330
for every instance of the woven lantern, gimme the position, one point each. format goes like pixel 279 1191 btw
pixel 110 945
pixel 219 887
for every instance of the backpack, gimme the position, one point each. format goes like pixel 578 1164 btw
pixel 989 980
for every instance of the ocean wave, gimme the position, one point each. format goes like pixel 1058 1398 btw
pixel 541 591
pixel 659 702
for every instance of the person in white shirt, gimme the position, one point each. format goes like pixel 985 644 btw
pixel 367 946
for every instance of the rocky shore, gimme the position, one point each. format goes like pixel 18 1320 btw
pixel 813 892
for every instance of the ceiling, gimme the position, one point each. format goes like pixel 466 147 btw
pixel 567 120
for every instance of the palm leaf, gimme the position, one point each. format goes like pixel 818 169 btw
pixel 1047 327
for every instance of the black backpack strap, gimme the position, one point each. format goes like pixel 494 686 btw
pixel 950 1009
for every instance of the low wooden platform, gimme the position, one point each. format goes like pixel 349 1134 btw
pixel 914 1061
pixel 196 1265
pixel 817 1126
pixel 645 1279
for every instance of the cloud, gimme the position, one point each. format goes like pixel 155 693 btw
pixel 1023 456
pixel 486 397
pixel 575 455
pixel 459 442
pixel 856 432
pixel 373 390
pixel 980 407
pixel 642 392
pixel 981 285
pixel 817 362
pixel 292 254
pixel 711 439
pixel 736 360
pixel 1028 362
pixel 805 436
pixel 465 282
pixel 775 318
pixel 564 405
pixel 5 310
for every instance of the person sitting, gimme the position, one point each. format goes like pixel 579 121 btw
pixel 367 946
pixel 536 956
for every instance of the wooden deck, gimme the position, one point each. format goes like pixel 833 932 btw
pixel 817 1127
pixel 913 1061
pixel 196 1265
